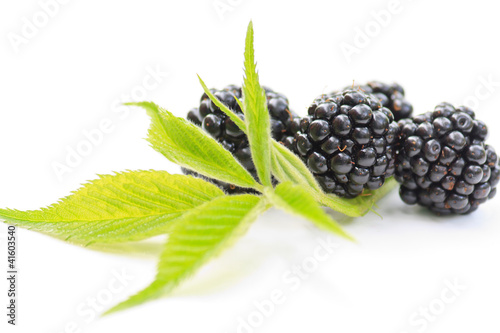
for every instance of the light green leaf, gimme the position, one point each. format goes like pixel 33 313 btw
pixel 256 114
pixel 360 205
pixel 230 113
pixel 389 185
pixel 286 166
pixel 189 146
pixel 198 237
pixel 242 126
pixel 127 206
pixel 297 200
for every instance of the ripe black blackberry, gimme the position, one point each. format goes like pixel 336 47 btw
pixel 284 124
pixel 348 142
pixel 443 162
pixel 391 96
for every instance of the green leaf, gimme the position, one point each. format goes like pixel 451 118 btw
pixel 286 166
pixel 256 114
pixel 127 206
pixel 360 205
pixel 298 201
pixel 198 237
pixel 230 113
pixel 376 195
pixel 189 146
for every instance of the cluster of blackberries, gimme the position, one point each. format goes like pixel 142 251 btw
pixel 356 138
pixel 444 163
pixel 284 124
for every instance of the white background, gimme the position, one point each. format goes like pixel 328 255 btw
pixel 68 77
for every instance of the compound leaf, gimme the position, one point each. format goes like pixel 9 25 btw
pixel 127 206
pixel 198 237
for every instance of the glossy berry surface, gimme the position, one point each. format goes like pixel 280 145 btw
pixel 443 162
pixel 348 142
pixel 391 96
pixel 284 124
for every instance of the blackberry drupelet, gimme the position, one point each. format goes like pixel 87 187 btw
pixel 348 142
pixel 284 124
pixel 391 96
pixel 443 162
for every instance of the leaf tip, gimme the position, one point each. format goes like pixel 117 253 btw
pixel 110 311
pixel 349 237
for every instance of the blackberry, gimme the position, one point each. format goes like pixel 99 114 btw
pixel 284 124
pixel 348 142
pixel 443 162
pixel 391 96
